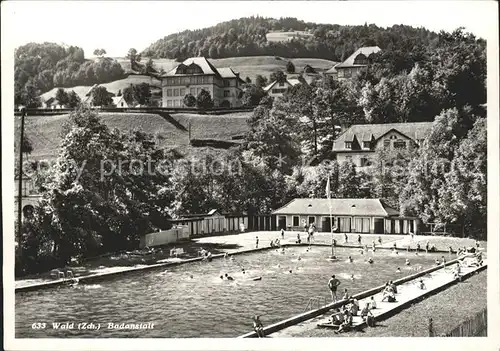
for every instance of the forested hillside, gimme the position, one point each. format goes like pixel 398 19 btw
pixel 247 37
pixel 40 67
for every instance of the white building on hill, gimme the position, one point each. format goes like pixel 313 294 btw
pixel 278 89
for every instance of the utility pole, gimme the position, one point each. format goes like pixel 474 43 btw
pixel 20 185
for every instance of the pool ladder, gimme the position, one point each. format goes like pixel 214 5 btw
pixel 316 302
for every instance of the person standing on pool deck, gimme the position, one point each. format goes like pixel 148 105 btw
pixel 359 239
pixel 256 242
pixel 427 247
pixel 282 233
pixel 380 240
pixel 345 237
pixel 333 283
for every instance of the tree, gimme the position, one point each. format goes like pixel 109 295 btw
pixel 421 195
pixel 62 97
pixel 134 57
pixel 278 76
pixel 248 80
pixel 149 68
pixel 129 94
pixel 110 207
pixel 204 100
pixel 189 100
pixel 142 94
pixel 73 99
pixel 290 67
pixel 99 52
pixel 252 95
pixel 464 198
pixel 260 81
pixel 30 96
pixel 101 97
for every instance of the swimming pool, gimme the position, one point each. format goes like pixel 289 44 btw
pixel 205 305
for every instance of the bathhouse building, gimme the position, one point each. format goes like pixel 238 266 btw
pixel 348 216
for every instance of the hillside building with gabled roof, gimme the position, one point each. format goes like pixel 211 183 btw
pixel 353 64
pixel 360 141
pixel 197 73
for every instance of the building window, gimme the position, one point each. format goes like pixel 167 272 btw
pixel 348 145
pixel 400 144
pixel 176 92
pixel 182 91
pixel 169 103
pixel 347 72
pixel 169 92
pixel 348 158
pixel 364 162
pixel 206 79
pixel 296 221
pixel 199 80
pixel 387 143
pixel 226 83
pixel 281 84
pixel 192 91
pixel 366 144
pixel 198 90
pixel 226 93
pixel 393 137
pixel 340 73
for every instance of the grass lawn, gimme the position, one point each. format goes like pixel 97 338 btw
pixel 44 131
pixel 448 309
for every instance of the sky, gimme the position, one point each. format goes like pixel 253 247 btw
pixel 118 26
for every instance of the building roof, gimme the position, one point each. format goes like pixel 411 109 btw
pixel 367 132
pixel 202 62
pixel 116 99
pixel 333 70
pixel 292 82
pixel 339 207
pixel 367 51
pixel 227 72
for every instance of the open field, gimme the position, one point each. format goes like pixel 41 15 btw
pixel 44 131
pixel 286 36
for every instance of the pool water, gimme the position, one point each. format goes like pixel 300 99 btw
pixel 190 300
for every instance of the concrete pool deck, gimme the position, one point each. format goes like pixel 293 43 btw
pixel 245 243
pixel 436 279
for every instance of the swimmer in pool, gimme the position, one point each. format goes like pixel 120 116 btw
pixel 398 270
pixel 231 258
pixel 352 276
pixel 361 252
pixel 370 261
pixel 437 262
pixel 349 259
pixel 228 277
pixel 407 262
pixel 299 258
pixel 290 271
pixel 221 277
pixel 191 276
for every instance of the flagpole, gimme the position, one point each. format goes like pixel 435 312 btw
pixel 328 196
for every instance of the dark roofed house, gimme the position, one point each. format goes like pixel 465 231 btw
pixel 354 63
pixel 348 216
pixel 360 141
